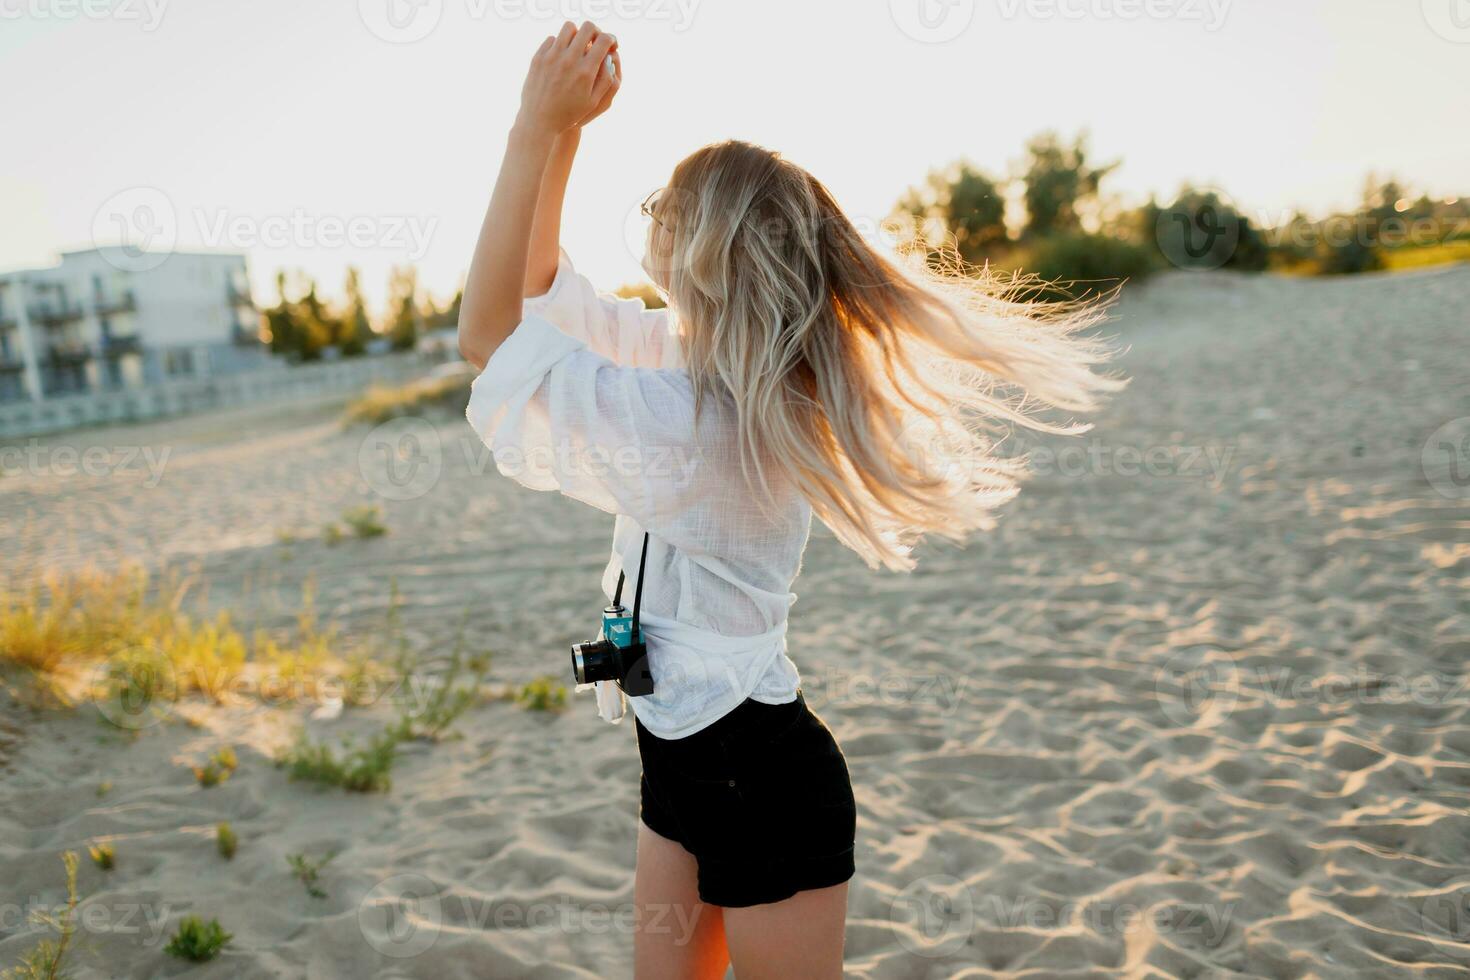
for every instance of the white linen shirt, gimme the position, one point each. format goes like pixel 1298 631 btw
pixel 589 397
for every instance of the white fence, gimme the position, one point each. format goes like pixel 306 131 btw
pixel 277 383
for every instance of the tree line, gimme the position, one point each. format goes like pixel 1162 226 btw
pixel 302 326
pixel 1052 219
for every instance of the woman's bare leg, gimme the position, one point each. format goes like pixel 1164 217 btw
pixel 799 937
pixel 678 937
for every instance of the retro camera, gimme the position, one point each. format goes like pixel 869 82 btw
pixel 619 653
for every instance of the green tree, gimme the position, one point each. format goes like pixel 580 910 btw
pixel 1202 230
pixel 355 330
pixel 968 203
pixel 280 320
pixel 301 328
pixel 404 315
pixel 1059 184
pixel 436 319
pixel 322 327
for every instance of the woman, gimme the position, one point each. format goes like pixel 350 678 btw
pixel 800 373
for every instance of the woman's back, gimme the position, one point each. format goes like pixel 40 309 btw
pixel 589 397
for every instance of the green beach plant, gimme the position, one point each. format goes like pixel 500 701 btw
pixel 197 941
pixel 360 768
pixel 450 693
pixel 225 840
pixel 545 693
pixel 365 521
pixel 218 768
pixel 309 871
pixel 103 855
pixel 47 959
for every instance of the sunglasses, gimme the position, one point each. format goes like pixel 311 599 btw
pixel 646 208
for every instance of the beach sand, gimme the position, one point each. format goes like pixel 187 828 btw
pixel 1197 708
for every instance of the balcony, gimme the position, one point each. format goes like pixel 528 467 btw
pixel 49 313
pixel 69 352
pixel 118 346
pixel 124 302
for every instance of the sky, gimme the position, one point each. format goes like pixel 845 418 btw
pixel 317 134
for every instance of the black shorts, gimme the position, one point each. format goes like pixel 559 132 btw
pixel 761 798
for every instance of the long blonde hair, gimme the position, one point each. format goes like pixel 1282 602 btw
pixel 875 386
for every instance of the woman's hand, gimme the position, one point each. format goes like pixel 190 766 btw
pixel 566 85
pixel 611 89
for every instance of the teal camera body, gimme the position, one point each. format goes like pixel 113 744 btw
pixel 620 653
pixel 615 655
pixel 617 626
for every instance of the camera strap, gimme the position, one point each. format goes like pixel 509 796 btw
pixel 637 591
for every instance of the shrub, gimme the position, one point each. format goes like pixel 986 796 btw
pixel 197 941
pixel 218 768
pixel 361 769
pixel 1348 257
pixel 1077 266
pixel 103 855
pixel 1202 231
pixel 542 694
pixel 225 840
pixel 365 521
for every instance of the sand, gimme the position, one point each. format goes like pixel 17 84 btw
pixel 1198 708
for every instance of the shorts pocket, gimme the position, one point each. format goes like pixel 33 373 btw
pixel 798 785
pixel 712 815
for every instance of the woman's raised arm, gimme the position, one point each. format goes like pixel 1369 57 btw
pixel 546 231
pixel 565 86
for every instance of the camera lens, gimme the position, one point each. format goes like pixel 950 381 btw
pixel 596 660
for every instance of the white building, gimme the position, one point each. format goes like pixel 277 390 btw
pixel 102 320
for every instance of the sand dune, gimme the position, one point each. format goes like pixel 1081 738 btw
pixel 1197 709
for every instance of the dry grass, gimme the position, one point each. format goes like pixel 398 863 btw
pixel 1423 256
pixel 60 628
pixel 65 616
pixel 449 392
